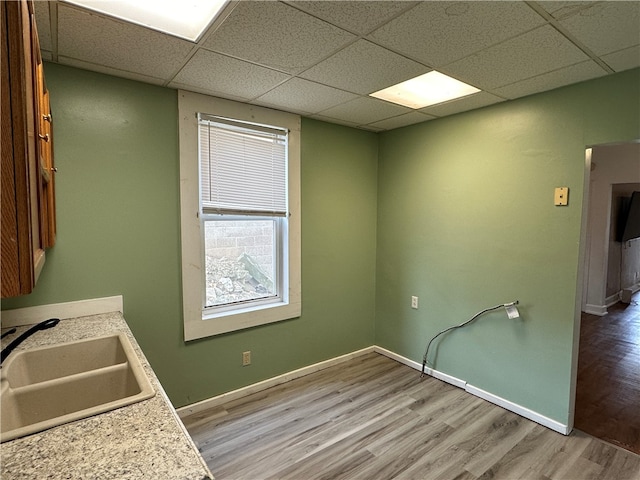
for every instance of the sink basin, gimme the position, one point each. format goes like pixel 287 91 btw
pixel 45 387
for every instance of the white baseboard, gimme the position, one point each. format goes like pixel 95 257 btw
pixel 301 372
pixel 613 299
pixel 501 402
pixel 600 310
pixel 80 308
pixel 268 383
pixel 456 382
pixel 519 409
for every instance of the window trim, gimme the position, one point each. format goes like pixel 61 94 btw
pixel 195 324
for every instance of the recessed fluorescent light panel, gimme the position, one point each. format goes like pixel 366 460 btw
pixel 428 89
pixel 182 18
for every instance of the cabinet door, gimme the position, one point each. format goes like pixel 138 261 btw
pixel 25 234
pixel 44 138
pixel 14 178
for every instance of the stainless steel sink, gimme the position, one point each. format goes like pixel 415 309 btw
pixel 45 387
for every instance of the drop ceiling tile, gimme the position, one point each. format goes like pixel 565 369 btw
pixel 100 40
pixel 470 102
pixel 563 9
pixel 304 96
pixel 548 81
pixel 606 27
pixel 358 17
pixel 225 76
pixel 41 10
pixel 364 110
pixel 623 59
pixel 276 35
pixel 370 128
pixel 73 62
pixel 401 121
pixel 335 120
pixel 437 33
pixel 536 52
pixel 364 68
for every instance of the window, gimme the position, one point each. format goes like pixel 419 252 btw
pixel 240 218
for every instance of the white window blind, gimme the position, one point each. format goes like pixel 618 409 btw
pixel 243 167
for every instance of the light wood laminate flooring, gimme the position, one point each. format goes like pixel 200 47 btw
pixel 374 418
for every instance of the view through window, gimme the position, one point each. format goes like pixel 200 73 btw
pixel 240 260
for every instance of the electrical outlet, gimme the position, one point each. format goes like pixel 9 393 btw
pixel 414 302
pixel 246 358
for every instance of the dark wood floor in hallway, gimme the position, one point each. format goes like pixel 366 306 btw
pixel 372 418
pixel 608 386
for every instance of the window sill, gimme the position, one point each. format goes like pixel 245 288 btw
pixel 225 322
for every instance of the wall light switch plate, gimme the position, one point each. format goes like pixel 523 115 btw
pixel 561 196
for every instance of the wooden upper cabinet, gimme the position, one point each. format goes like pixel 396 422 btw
pixel 28 193
pixel 44 139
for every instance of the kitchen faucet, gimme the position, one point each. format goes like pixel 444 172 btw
pixel 52 322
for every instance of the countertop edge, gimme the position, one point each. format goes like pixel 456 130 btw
pixel 142 440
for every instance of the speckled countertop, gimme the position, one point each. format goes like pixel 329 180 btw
pixel 145 440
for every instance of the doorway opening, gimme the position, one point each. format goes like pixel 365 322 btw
pixel 607 377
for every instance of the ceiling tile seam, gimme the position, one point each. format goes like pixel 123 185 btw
pixel 576 9
pixel 426 119
pixel 539 9
pixel 100 66
pixel 215 24
pixel 326 57
pixel 273 106
pixel 357 36
pixel 539 75
pixel 490 91
pixel 323 20
pixel 253 99
pixel 205 91
pixel 297 72
pixel 338 121
pixel 410 5
pixel 311 81
pixel 187 58
pixel 586 50
pixel 555 23
pixel 398 52
pixel 410 110
pixel 434 66
pixel 314 112
pixel 513 37
pixel 438 67
pixel 390 19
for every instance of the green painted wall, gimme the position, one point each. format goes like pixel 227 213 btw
pixel 116 149
pixel 458 211
pixel 466 221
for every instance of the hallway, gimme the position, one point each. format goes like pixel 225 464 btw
pixel 608 384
